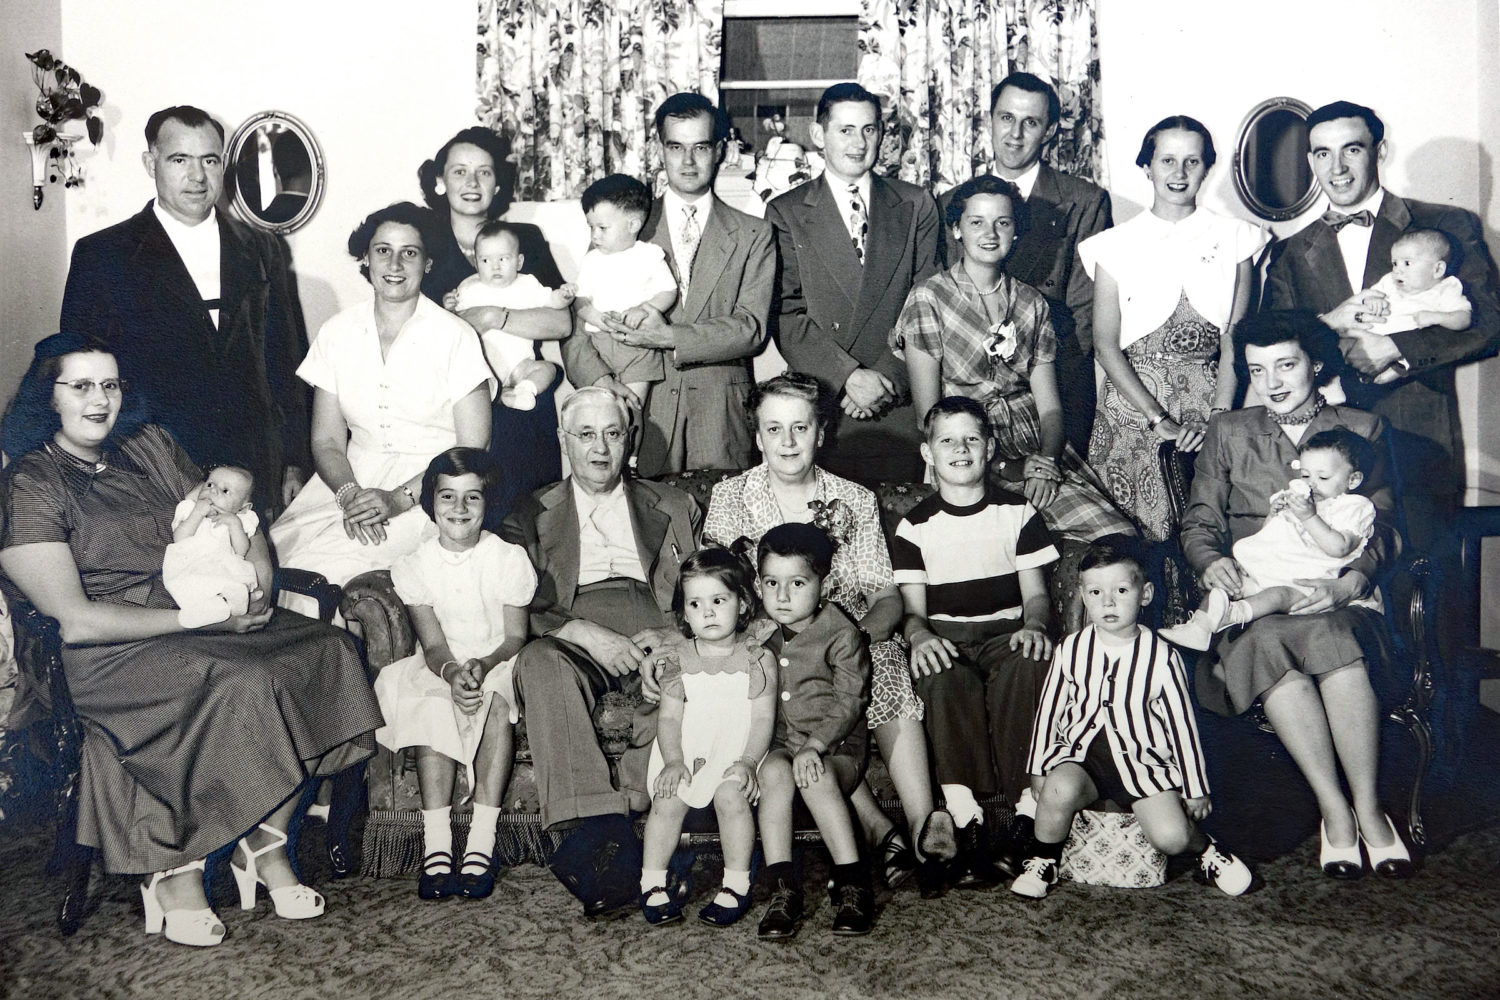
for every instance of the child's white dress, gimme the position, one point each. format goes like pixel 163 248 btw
pixel 716 693
pixel 1282 551
pixel 200 570
pixel 468 592
pixel 504 350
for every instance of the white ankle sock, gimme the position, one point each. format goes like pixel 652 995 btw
pixel 739 882
pixel 1027 804
pixel 962 805
pixel 437 834
pixel 482 835
pixel 654 878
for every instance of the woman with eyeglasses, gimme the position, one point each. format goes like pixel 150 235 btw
pixel 195 738
pixel 395 381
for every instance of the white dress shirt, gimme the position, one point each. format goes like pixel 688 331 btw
pixel 198 246
pixel 1354 241
pixel 606 537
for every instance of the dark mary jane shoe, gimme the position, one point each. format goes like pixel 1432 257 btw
pixel 717 915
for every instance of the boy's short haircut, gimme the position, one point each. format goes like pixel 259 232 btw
pixel 1355 449
pixel 494 228
pixel 841 93
pixel 620 190
pixel 953 406
pixel 795 539
pixel 1435 241
pixel 1115 550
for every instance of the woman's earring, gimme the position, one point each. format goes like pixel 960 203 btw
pixel 440 188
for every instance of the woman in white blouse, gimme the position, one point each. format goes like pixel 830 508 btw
pixel 1169 285
pixel 395 382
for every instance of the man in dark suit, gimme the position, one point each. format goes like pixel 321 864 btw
pixel 1064 210
pixel 607 552
pixel 852 245
pixel 725 262
pixel 201 312
pixel 1327 265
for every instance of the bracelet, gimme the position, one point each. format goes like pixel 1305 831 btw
pixel 751 764
pixel 1163 415
pixel 409 494
pixel 345 492
pixel 1218 409
pixel 443 670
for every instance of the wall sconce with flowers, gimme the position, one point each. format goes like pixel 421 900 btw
pixel 63 96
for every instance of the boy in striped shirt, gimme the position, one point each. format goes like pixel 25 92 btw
pixel 1115 722
pixel 969 561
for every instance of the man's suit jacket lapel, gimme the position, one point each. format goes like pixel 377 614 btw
pixel 829 238
pixel 557 530
pixel 890 219
pixel 1035 252
pixel 1391 221
pixel 1325 264
pixel 650 526
pixel 239 272
pixel 160 266
pixel 715 248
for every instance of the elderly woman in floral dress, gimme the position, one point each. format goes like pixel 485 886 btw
pixel 789 414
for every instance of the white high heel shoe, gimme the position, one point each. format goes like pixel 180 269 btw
pixel 198 928
pixel 292 902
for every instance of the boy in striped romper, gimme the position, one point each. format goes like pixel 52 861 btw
pixel 1115 722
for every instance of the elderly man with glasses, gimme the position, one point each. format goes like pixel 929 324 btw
pixel 607 551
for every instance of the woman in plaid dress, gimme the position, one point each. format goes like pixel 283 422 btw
pixel 974 331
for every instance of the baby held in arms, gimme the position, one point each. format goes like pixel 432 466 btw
pixel 1317 526
pixel 205 569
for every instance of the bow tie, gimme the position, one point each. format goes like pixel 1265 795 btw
pixel 1338 220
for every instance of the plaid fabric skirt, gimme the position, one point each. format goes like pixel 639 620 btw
pixel 1082 510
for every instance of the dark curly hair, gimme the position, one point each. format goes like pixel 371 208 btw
pixel 462 462
pixel 732 568
pixel 1282 326
pixel 31 421
pixel 492 142
pixel 988 184
pixel 403 213
pixel 620 190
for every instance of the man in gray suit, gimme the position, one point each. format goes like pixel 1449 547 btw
pixel 1064 210
pixel 725 262
pixel 1326 267
pixel 853 244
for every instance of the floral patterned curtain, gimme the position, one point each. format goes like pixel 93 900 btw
pixel 573 83
pixel 933 63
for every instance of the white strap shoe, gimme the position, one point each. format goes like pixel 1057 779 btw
pixel 198 928
pixel 292 902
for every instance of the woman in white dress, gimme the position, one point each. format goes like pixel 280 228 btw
pixel 395 382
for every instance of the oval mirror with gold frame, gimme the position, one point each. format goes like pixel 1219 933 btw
pixel 276 172
pixel 1271 172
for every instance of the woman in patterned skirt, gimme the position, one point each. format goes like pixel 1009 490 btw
pixel 1169 285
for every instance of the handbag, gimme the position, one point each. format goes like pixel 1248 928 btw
pixel 1110 848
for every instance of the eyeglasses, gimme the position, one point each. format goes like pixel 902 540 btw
pixel 613 436
pixel 84 387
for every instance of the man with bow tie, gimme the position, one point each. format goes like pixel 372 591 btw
pixel 1329 266
pixel 725 262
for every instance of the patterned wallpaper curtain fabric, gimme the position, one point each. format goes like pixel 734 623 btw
pixel 933 62
pixel 573 83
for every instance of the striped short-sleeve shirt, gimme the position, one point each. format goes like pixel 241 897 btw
pixel 970 557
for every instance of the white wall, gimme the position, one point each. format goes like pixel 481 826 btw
pixel 381 83
pixel 33 260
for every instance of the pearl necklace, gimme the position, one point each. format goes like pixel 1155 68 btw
pixel 1293 420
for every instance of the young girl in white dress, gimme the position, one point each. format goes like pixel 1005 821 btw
pixel 467 592
pixel 718 712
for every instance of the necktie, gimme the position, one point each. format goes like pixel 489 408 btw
pixel 690 235
pixel 859 222
pixel 1338 220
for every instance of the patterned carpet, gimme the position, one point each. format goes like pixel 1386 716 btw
pixel 1302 936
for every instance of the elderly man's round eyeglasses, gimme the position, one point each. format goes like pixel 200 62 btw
pixel 84 387
pixel 613 436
